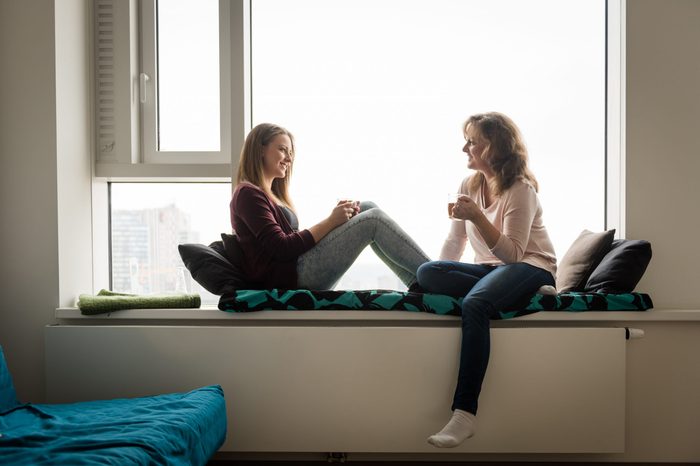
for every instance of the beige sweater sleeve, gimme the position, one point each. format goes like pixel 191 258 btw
pixel 519 212
pixel 456 241
pixel 453 247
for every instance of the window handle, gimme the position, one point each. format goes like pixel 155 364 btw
pixel 143 79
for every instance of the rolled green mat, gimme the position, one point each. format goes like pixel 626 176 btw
pixel 108 301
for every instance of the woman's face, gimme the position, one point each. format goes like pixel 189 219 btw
pixel 277 157
pixel 475 148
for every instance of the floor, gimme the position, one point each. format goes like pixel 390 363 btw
pixel 217 462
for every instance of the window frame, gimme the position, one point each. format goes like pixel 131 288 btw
pixel 148 95
pixel 236 118
pixel 128 152
pixel 615 123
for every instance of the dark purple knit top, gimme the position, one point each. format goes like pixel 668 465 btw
pixel 269 243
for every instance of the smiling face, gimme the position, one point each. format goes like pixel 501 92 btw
pixel 277 157
pixel 475 148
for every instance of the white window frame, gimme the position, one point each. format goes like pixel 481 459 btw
pixel 615 150
pixel 148 95
pixel 126 129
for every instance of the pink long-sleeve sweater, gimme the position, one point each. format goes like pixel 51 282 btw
pixel 517 214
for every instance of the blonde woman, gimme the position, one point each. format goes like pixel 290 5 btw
pixel 499 213
pixel 278 254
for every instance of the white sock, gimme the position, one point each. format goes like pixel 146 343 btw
pixel 547 290
pixel 461 427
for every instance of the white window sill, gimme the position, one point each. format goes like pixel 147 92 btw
pixel 213 316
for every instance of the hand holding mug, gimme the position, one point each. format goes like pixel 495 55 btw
pixel 465 208
pixel 451 201
pixel 352 208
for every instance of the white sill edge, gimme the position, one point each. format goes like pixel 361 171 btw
pixel 213 314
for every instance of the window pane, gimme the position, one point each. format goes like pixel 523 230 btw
pixel 149 220
pixel 376 92
pixel 188 75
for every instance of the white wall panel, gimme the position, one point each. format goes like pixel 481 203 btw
pixel 360 389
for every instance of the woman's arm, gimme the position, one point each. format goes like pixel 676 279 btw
pixel 254 209
pixel 453 247
pixel 517 225
pixel 456 241
pixel 339 215
pixel 508 245
pixel 467 209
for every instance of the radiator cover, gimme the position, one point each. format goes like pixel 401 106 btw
pixel 360 388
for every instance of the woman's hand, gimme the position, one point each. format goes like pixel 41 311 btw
pixel 466 209
pixel 355 206
pixel 343 212
pixel 340 214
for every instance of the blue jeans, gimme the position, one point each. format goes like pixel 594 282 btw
pixel 321 267
pixel 487 289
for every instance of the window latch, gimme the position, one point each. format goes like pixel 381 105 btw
pixel 143 79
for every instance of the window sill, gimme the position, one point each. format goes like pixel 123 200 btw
pixel 213 316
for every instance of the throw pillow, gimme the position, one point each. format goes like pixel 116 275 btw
pixel 621 268
pixel 581 259
pixel 211 269
pixel 232 249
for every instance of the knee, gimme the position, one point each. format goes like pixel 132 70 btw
pixel 429 272
pixel 367 205
pixel 375 214
pixel 425 272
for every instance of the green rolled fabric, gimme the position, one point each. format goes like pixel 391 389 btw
pixel 108 301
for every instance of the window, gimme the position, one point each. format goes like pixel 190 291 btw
pixel 375 93
pixel 184 113
pixel 188 101
pixel 170 104
pixel 149 220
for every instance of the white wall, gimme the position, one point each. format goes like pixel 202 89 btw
pixel 663 145
pixel 73 149
pixel 45 173
pixel 28 207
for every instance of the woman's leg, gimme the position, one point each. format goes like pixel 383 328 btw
pixel 364 206
pixel 322 266
pixel 450 277
pixel 505 287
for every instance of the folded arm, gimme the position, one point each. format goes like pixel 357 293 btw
pixel 254 209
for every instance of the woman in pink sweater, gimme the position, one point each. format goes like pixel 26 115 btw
pixel 498 212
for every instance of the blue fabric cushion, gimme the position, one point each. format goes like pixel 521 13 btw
pixel 8 398
pixel 368 300
pixel 173 429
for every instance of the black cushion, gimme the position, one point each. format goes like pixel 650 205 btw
pixel 232 249
pixel 621 268
pixel 211 268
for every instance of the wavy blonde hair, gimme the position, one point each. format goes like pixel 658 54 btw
pixel 250 164
pixel 505 153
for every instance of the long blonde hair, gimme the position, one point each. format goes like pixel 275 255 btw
pixel 250 164
pixel 506 153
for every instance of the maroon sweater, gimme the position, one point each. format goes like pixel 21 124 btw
pixel 270 245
